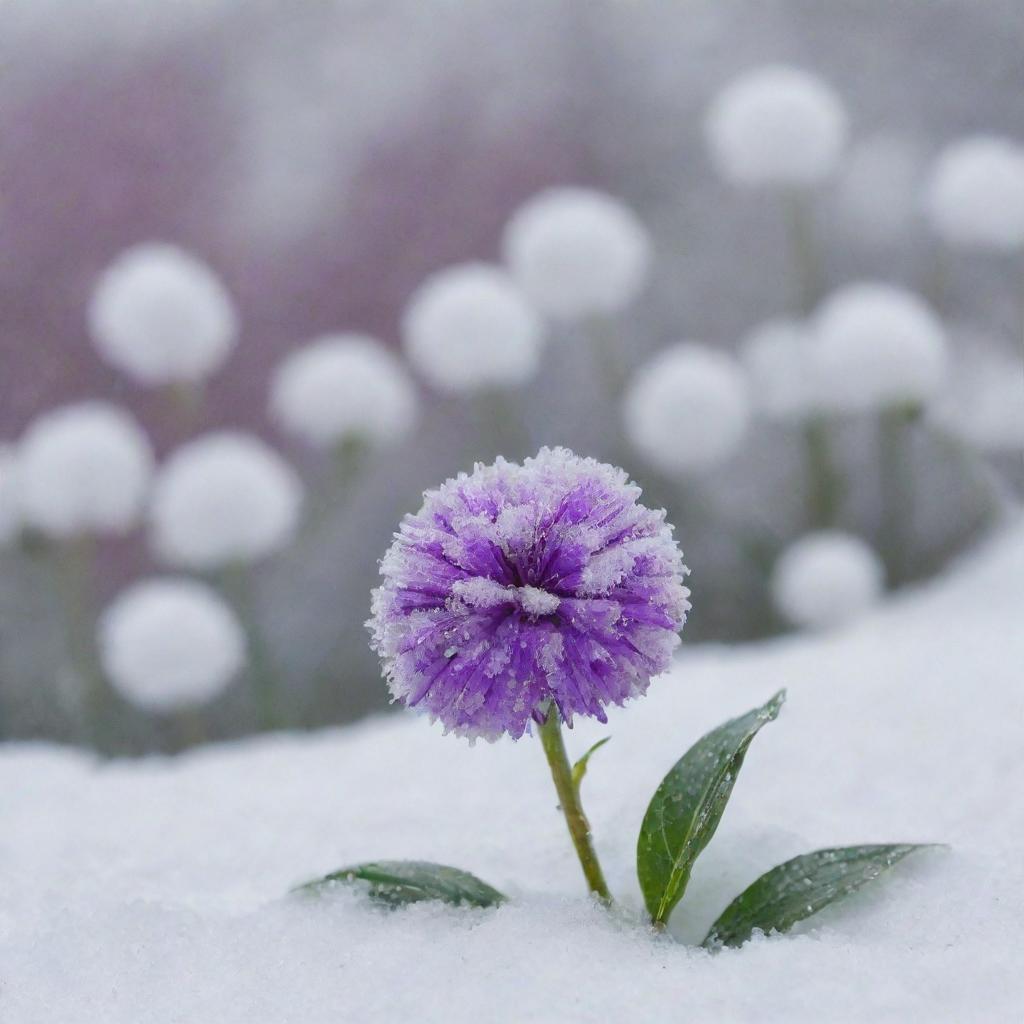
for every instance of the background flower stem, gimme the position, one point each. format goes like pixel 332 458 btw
pixel 575 819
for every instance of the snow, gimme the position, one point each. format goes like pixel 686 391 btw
pixel 776 126
pixel 343 386
pixel 155 890
pixel 170 642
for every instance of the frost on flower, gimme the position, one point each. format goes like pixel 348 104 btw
pixel 469 327
pixel 577 252
pixel 878 346
pixel 170 643
pixel 778 357
pixel 224 498
pixel 10 501
pixel 826 578
pixel 344 386
pixel 687 409
pixel 975 194
pixel 518 585
pixel 162 316
pixel 83 468
pixel 776 126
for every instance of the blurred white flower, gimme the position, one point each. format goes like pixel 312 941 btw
pixel 778 357
pixel 343 386
pixel 776 125
pixel 878 189
pixel 878 345
pixel 162 316
pixel 170 643
pixel 983 401
pixel 577 252
pixel 83 468
pixel 826 578
pixel 469 327
pixel 975 193
pixel 221 499
pixel 10 499
pixel 687 408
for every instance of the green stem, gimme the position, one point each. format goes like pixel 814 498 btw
pixel 575 819
pixel 896 487
pixel 823 484
pixel 604 342
pixel 803 249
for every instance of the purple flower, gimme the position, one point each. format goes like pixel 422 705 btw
pixel 519 585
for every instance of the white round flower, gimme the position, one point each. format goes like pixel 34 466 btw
pixel 469 327
pixel 975 194
pixel 826 578
pixel 10 499
pixel 687 408
pixel 223 498
pixel 170 643
pixel 83 468
pixel 343 386
pixel 776 125
pixel 577 252
pixel 160 315
pixel 778 357
pixel 878 189
pixel 878 346
pixel 983 401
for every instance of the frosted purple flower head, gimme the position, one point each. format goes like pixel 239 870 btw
pixel 518 585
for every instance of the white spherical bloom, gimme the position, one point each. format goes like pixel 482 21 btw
pixel 975 195
pixel 577 252
pixel 983 401
pixel 223 498
pixel 162 316
pixel 10 499
pixel 343 386
pixel 469 327
pixel 826 578
pixel 776 125
pixel 83 468
pixel 878 189
pixel 170 643
pixel 878 346
pixel 778 357
pixel 687 408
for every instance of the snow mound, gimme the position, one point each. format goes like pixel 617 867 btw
pixel 154 890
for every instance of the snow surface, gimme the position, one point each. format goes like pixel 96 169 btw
pixel 154 890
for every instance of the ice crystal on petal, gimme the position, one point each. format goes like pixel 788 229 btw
pixel 520 584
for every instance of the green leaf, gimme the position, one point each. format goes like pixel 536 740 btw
pixel 801 887
pixel 396 883
pixel 579 769
pixel 688 805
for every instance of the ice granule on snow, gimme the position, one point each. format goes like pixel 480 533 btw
pixel 170 643
pixel 974 196
pixel 153 891
pixel 687 408
pixel 10 500
pixel 778 357
pixel 225 497
pixel 577 252
pixel 161 315
pixel 343 386
pixel 470 327
pixel 83 468
pixel 878 345
pixel 826 578
pixel 776 125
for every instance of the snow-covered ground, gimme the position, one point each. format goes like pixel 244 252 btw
pixel 154 890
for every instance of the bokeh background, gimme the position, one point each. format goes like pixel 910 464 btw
pixel 325 158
